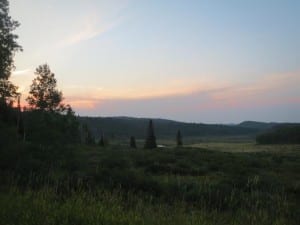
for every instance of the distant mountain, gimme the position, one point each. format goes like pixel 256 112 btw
pixel 128 126
pixel 261 126
pixel 257 125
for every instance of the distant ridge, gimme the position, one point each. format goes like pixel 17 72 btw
pixel 130 126
pixel 257 125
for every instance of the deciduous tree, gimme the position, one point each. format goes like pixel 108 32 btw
pixel 43 94
pixel 8 43
pixel 8 48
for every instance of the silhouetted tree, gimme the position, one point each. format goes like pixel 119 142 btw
pixel 101 141
pixel 8 92
pixel 6 111
pixel 86 135
pixel 179 138
pixel 43 94
pixel 49 121
pixel 281 134
pixel 8 48
pixel 71 125
pixel 132 142
pixel 48 128
pixel 150 142
pixel 20 121
pixel 8 43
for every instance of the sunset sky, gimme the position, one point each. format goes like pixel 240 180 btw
pixel 211 61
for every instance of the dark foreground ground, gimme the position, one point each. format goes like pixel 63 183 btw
pixel 205 184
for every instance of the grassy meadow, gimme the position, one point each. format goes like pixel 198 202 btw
pixel 205 183
pixel 247 147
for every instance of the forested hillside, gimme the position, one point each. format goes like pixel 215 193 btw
pixel 126 126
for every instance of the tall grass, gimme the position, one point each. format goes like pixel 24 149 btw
pixel 48 208
pixel 92 185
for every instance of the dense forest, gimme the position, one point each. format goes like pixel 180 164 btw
pixel 123 126
pixel 283 134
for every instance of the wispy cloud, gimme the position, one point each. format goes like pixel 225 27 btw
pixel 269 89
pixel 21 72
pixel 172 88
pixel 91 27
pixel 82 103
pixel 179 96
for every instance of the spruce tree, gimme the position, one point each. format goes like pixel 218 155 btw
pixel 86 135
pixel 101 142
pixel 178 139
pixel 150 142
pixel 132 142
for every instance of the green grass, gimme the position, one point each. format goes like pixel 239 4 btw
pixel 118 185
pixel 246 147
pixel 46 207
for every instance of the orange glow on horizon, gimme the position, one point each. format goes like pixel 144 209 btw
pixel 218 94
pixel 162 89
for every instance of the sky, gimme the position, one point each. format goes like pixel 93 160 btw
pixel 209 61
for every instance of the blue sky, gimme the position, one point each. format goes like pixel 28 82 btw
pixel 201 61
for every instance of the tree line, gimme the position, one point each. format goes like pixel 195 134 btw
pixel 46 120
pixel 283 134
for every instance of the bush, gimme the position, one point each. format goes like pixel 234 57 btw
pixel 51 128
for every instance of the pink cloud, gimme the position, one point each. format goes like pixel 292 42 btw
pixel 271 89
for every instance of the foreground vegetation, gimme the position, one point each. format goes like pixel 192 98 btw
pixel 45 207
pixel 114 185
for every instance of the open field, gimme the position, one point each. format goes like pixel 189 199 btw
pixel 246 147
pixel 114 185
pixel 226 144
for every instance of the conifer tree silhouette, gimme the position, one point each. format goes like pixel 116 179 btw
pixel 150 142
pixel 178 139
pixel 132 142
pixel 101 142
